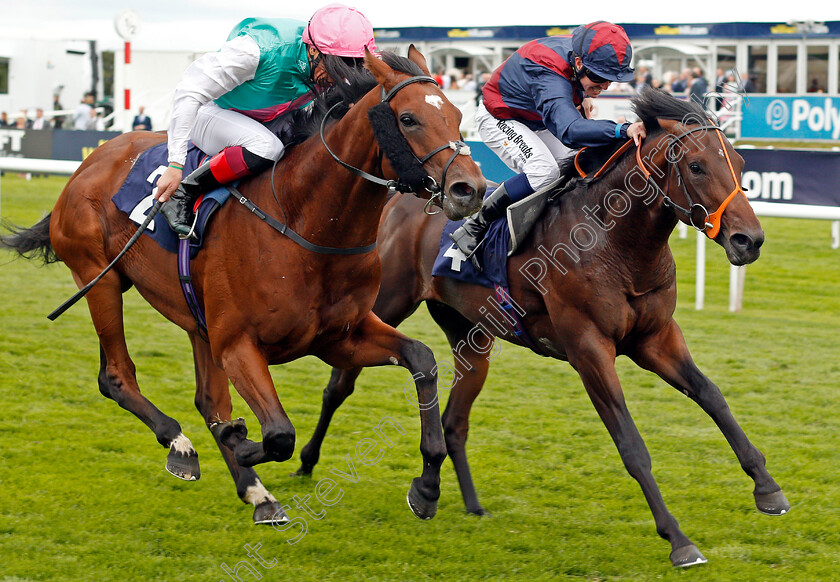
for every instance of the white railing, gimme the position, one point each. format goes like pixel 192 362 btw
pixel 29 166
pixel 737 275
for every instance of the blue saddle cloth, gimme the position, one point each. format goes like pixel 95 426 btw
pixel 492 254
pixel 135 196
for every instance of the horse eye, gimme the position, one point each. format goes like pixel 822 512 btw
pixel 695 168
pixel 407 120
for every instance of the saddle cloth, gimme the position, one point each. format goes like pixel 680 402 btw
pixel 502 240
pixel 492 255
pixel 136 196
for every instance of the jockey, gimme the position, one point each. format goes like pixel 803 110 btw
pixel 536 109
pixel 267 68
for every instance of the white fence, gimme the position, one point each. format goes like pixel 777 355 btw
pixel 29 166
pixel 737 275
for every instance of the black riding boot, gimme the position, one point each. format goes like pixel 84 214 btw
pixel 178 209
pixel 469 235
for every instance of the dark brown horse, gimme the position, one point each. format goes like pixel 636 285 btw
pixel 268 300
pixel 595 279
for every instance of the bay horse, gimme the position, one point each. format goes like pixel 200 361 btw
pixel 595 279
pixel 268 300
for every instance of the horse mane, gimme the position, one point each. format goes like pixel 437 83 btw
pixel 650 105
pixel 358 83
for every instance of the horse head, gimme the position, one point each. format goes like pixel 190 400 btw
pixel 417 128
pixel 702 171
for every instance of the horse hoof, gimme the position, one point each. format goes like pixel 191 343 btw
pixel 772 503
pixel 270 513
pixel 687 556
pixel 480 512
pixel 421 506
pixel 302 472
pixel 183 466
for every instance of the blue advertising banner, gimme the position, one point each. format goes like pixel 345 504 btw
pixel 791 176
pixel 770 175
pixel 775 117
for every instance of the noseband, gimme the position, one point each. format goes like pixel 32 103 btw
pixel 394 145
pixel 703 221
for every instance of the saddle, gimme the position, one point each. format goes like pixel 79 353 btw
pixel 523 215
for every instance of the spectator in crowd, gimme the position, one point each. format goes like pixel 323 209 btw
pixel 682 83
pixel 20 122
pixel 95 121
pixel 668 79
pixel 40 122
pixel 4 120
pixel 141 120
pixel 815 86
pixel 640 81
pixel 698 88
pixel 747 83
pixel 482 81
pixel 81 115
pixel 468 83
pixel 720 83
pixel 58 120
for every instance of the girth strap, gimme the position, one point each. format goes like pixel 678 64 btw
pixel 285 230
pixel 187 287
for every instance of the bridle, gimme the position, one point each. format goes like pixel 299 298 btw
pixel 426 182
pixel 703 221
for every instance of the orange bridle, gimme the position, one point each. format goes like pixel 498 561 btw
pixel 709 223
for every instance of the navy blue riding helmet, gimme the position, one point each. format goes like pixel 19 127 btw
pixel 604 50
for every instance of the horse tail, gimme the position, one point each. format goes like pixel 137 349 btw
pixel 31 243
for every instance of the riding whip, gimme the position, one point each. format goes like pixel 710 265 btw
pixel 83 291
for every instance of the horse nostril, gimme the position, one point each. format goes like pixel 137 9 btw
pixel 461 190
pixel 743 242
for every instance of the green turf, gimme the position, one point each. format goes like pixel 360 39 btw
pixel 83 493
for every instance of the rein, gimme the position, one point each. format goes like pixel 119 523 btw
pixel 707 223
pixel 425 181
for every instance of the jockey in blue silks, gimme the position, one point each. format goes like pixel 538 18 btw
pixel 535 110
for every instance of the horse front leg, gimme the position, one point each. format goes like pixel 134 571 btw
pixel 594 360
pixel 212 398
pixel 374 343
pixel 247 367
pixel 667 355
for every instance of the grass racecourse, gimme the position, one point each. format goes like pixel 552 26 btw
pixel 84 496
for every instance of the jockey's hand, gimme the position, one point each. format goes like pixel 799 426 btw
pixel 587 107
pixel 168 183
pixel 636 131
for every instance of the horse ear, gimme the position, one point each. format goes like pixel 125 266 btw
pixel 377 66
pixel 416 57
pixel 668 125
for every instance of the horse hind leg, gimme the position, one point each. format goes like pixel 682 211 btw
pixel 375 343
pixel 341 385
pixel 212 398
pixel 393 309
pixel 471 367
pixel 118 381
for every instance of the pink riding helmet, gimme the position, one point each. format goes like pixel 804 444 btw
pixel 340 30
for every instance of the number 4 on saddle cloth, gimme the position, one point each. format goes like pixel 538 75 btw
pixel 136 196
pixel 503 238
